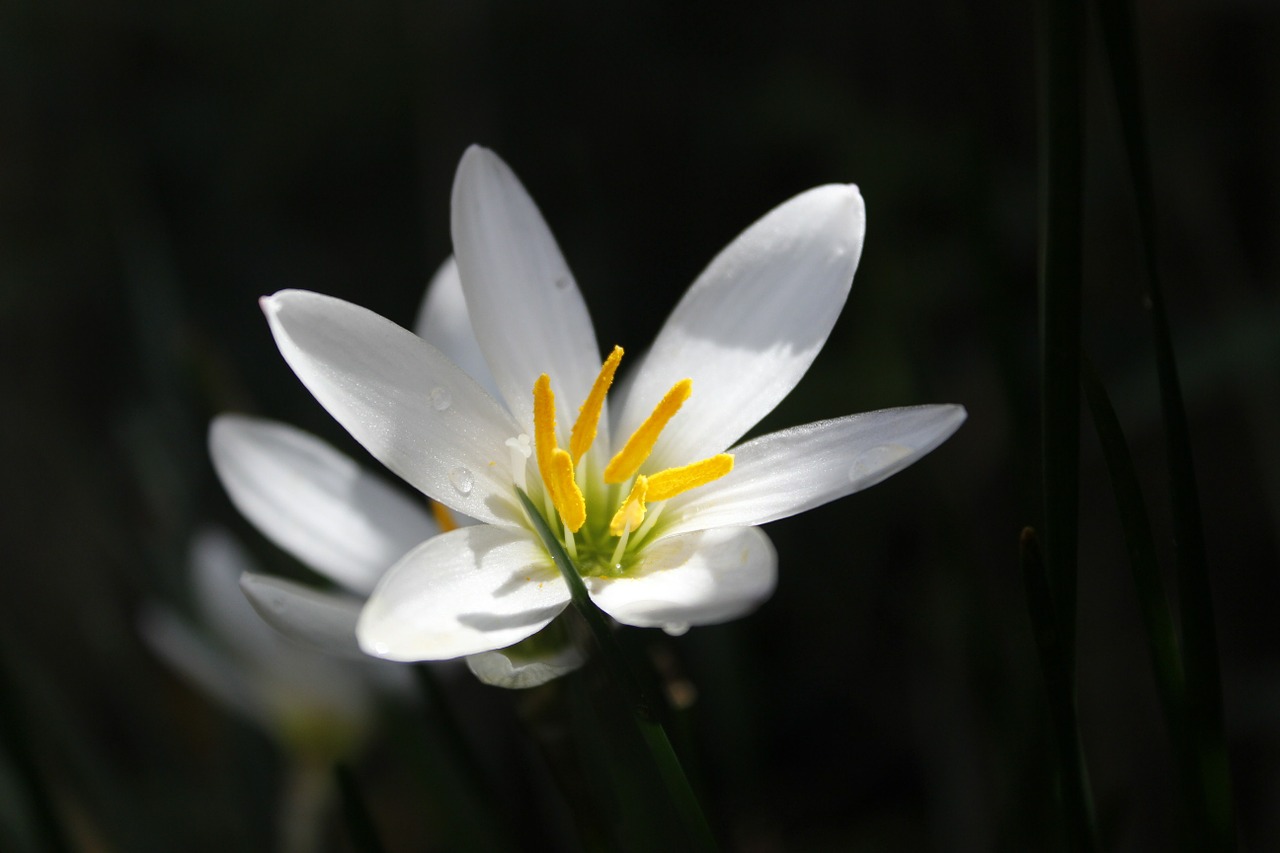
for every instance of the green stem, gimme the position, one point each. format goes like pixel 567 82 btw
pixel 642 710
pixel 473 799
pixel 360 827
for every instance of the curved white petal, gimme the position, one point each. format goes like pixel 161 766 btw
pixel 788 472
pixel 525 306
pixel 216 563
pixel 699 578
pixel 501 668
pixel 751 325
pixel 444 323
pixel 468 591
pixel 401 398
pixel 322 620
pixel 315 502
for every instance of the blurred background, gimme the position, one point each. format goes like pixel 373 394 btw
pixel 163 165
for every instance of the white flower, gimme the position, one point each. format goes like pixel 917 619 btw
pixel 657 506
pixel 315 703
pixel 345 522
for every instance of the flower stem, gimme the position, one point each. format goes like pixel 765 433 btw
pixel 472 794
pixel 642 710
pixel 361 830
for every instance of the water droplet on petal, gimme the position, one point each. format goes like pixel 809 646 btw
pixel 676 629
pixel 440 398
pixel 278 604
pixel 462 480
pixel 875 461
pixel 562 283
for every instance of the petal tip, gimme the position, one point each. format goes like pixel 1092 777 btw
pixel 476 158
pixel 956 414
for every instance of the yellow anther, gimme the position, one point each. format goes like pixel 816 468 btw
pixel 584 429
pixel 555 465
pixel 665 485
pixel 565 492
pixel 631 513
pixel 544 426
pixel 628 460
pixel 444 518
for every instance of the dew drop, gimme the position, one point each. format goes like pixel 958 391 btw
pixel 877 461
pixel 676 629
pixel 562 283
pixel 461 480
pixel 278 604
pixel 440 398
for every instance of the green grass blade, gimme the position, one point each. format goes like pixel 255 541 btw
pixel 1079 820
pixel 1156 617
pixel 1199 635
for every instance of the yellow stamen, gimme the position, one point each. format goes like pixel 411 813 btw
pixel 444 518
pixel 555 465
pixel 665 485
pixel 565 492
pixel 638 447
pixel 544 429
pixel 631 513
pixel 584 429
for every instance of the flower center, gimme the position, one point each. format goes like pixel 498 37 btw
pixel 608 538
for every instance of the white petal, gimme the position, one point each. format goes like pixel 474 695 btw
pixel 517 672
pixel 525 306
pixel 216 562
pixel 323 620
pixel 468 591
pixel 315 502
pixel 411 407
pixel 444 323
pixel 751 325
pixel 790 471
pixel 700 578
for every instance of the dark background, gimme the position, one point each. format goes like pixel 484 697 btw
pixel 164 164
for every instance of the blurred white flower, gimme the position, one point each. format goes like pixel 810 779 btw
pixel 316 704
pixel 658 511
pixel 347 523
